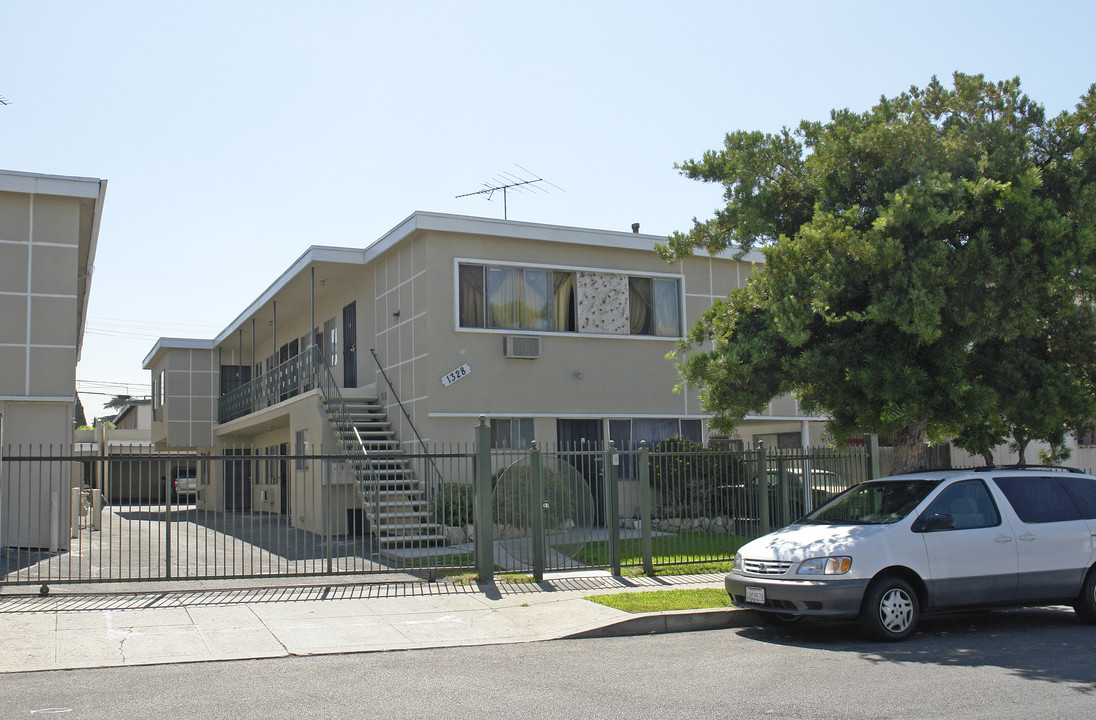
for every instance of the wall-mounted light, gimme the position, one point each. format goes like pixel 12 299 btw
pixel 578 375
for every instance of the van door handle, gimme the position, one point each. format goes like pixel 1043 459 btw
pixel 1002 539
pixel 1027 537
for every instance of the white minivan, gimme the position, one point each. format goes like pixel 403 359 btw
pixel 887 550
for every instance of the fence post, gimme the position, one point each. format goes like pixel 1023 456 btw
pixel 785 491
pixel 481 505
pixel 645 507
pixel 74 515
pixel 539 507
pixel 96 509
pixel 872 446
pixel 612 506
pixel 762 490
pixel 167 523
pixel 326 486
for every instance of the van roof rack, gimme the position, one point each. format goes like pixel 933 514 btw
pixel 1059 468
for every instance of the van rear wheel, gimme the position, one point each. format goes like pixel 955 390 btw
pixel 891 609
pixel 1085 604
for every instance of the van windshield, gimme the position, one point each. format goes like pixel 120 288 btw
pixel 872 503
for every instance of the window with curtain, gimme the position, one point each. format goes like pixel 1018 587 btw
pixel 502 299
pixel 511 433
pixel 471 296
pixel 639 305
pixel 667 317
pixel 513 298
pixel 563 298
pixel 507 298
pixel 654 306
pixel 535 298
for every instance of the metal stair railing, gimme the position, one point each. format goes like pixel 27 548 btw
pixel 362 461
pixel 438 477
pixel 339 415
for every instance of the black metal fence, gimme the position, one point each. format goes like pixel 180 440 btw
pixel 136 514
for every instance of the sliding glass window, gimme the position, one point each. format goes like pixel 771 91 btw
pixel 512 298
pixel 654 306
pixel 508 298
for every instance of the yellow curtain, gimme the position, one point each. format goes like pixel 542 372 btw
pixel 563 297
pixel 639 305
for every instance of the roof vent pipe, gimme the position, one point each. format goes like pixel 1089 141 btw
pixel 635 227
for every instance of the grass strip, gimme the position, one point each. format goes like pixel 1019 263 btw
pixel 665 600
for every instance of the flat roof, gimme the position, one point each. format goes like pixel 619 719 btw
pixel 444 222
pixel 175 344
pixel 42 184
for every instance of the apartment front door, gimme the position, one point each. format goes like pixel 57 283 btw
pixel 237 486
pixel 350 346
pixel 580 444
pixel 283 481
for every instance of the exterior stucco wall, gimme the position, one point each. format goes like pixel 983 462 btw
pixel 34 507
pixel 603 372
pixel 39 258
pixel 190 378
pixel 48 235
pixel 403 316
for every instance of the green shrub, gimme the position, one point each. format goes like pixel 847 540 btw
pixel 693 480
pixel 453 504
pixel 514 505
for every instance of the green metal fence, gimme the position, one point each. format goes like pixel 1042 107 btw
pixel 67 516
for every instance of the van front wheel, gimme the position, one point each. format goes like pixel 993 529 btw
pixel 779 619
pixel 891 610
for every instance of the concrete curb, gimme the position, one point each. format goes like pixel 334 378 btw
pixel 671 622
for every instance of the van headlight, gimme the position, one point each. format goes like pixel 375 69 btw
pixel 825 566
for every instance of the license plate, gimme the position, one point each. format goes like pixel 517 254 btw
pixel 755 595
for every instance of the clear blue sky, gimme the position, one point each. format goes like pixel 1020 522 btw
pixel 236 134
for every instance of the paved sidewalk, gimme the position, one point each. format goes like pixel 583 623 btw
pixel 81 628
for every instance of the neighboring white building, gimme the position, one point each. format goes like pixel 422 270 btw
pixel 49 230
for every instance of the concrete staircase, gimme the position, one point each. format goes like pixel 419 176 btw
pixel 394 499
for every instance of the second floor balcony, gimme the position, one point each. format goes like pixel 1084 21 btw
pixel 297 375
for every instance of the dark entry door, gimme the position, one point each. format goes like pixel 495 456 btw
pixel 237 482
pixel 350 346
pixel 580 443
pixel 283 481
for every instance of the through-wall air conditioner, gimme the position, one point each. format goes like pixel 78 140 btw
pixel 521 346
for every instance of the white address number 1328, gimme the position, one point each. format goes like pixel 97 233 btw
pixel 451 377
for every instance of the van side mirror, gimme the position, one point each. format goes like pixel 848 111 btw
pixel 934 523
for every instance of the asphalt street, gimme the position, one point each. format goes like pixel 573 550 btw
pixel 1033 664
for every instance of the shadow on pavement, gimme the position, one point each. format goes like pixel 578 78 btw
pixel 1048 644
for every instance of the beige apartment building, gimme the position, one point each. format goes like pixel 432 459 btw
pixel 555 334
pixel 49 229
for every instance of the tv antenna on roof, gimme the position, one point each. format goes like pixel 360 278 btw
pixel 506 181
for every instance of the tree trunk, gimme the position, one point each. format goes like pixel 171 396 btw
pixel 1021 450
pixel 910 448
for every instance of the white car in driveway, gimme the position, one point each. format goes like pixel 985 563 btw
pixel 887 550
pixel 184 484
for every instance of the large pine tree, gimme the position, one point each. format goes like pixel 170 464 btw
pixel 930 269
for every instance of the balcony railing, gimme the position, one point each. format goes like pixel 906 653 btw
pixel 295 376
